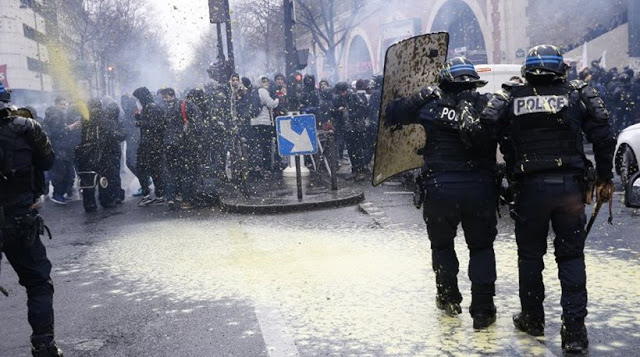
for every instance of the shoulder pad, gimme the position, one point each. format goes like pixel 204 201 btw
pixel 509 85
pixel 19 124
pixel 19 120
pixel 22 112
pixel 578 84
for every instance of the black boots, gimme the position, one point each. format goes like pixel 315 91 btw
pixel 449 308
pixel 532 325
pixel 44 346
pixel 574 337
pixel 483 318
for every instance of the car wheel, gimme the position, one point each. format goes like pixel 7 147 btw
pixel 628 165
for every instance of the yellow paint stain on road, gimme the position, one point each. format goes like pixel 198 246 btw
pixel 362 290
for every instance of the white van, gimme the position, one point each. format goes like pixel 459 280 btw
pixel 496 75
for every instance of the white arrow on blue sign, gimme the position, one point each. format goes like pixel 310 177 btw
pixel 297 134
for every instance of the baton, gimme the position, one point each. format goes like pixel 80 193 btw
pixel 595 214
pixel 593 217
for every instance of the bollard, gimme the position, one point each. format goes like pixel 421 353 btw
pixel 333 159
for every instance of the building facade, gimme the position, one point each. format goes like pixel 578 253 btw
pixel 486 31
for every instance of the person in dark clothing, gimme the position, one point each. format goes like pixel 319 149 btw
pixel 181 120
pixel 338 113
pixel 40 120
pixel 623 100
pixel 309 98
pixel 458 181
pixel 375 99
pixel 540 126
pixel 130 109
pixel 151 155
pixel 111 135
pixel 280 93
pixel 101 137
pixel 197 97
pixel 355 122
pixel 25 153
pixel 325 99
pixel 62 171
pixel 216 122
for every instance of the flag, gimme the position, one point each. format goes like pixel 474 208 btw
pixel 584 63
pixel 603 60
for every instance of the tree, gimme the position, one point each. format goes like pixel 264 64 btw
pixel 329 23
pixel 115 34
pixel 258 27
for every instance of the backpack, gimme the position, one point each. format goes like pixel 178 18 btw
pixel 255 104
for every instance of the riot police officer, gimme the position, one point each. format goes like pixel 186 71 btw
pixel 25 153
pixel 540 125
pixel 458 178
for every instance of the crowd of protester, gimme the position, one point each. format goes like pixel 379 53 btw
pixel 185 145
pixel 620 90
pixel 176 143
pixel 598 29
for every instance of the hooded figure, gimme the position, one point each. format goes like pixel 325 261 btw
pixel 150 156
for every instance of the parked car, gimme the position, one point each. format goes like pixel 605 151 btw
pixel 627 153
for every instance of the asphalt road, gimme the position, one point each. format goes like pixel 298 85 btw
pixel 353 281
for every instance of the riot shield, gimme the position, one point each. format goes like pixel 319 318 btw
pixel 409 65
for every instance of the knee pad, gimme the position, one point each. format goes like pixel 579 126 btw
pixel 45 289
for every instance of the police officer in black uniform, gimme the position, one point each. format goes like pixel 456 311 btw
pixel 540 126
pixel 458 178
pixel 25 153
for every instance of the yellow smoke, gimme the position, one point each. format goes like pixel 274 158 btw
pixel 61 69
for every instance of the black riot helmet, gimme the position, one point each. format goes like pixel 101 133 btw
pixel 544 61
pixel 459 72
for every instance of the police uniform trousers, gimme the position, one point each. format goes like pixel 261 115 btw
pixel 468 198
pixel 33 268
pixel 557 199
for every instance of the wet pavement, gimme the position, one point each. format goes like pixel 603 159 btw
pixel 349 281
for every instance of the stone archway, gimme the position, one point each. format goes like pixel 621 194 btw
pixel 359 60
pixel 467 26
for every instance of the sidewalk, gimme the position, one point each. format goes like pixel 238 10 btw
pixel 280 195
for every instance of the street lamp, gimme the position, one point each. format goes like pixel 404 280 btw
pixel 110 73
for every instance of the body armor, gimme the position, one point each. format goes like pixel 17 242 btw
pixel 446 148
pixel 546 128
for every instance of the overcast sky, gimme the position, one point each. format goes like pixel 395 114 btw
pixel 181 22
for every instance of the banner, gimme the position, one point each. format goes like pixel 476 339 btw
pixel 3 75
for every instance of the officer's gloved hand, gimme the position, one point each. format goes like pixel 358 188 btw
pixel 390 116
pixel 604 190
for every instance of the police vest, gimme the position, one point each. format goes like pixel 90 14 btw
pixel 546 123
pixel 444 149
pixel 16 166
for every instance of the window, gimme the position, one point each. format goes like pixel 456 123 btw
pixel 35 65
pixel 31 33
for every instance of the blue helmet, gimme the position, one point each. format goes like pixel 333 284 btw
pixel 544 60
pixel 459 70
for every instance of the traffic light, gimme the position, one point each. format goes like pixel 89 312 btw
pixel 300 58
pixel 220 71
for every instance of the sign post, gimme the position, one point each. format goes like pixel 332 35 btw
pixel 297 136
